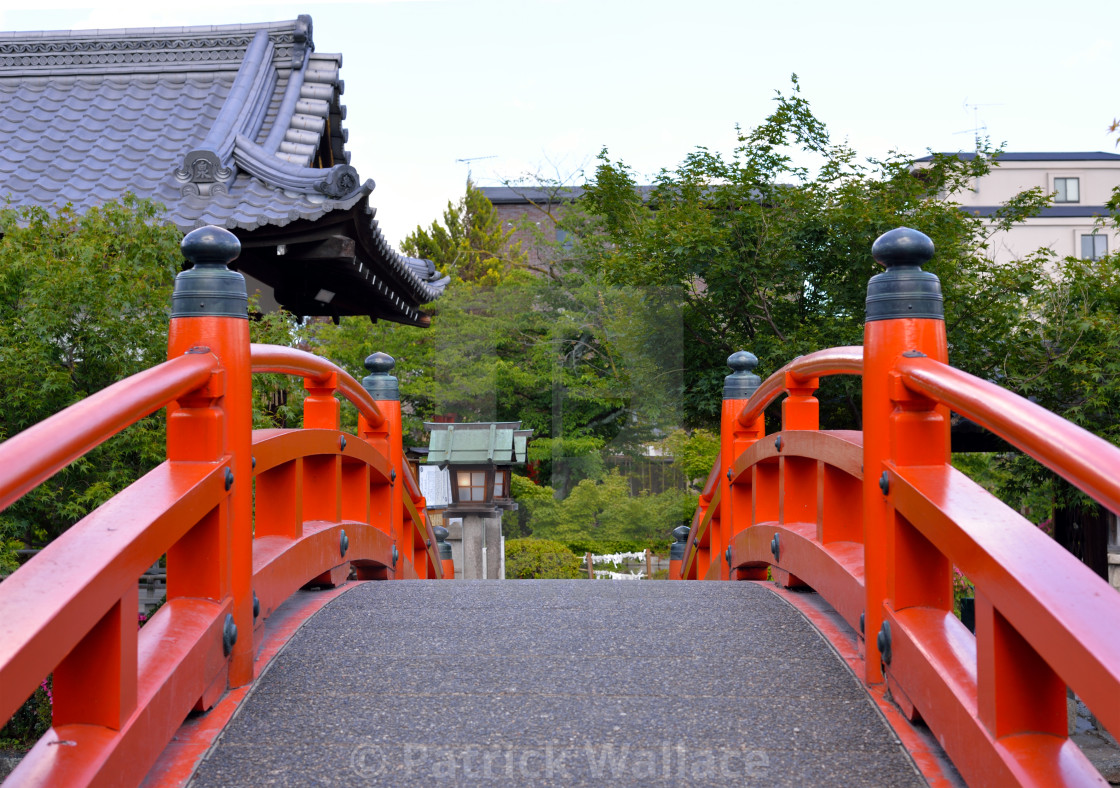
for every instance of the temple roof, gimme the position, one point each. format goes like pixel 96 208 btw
pixel 240 126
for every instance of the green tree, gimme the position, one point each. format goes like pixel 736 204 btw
pixel 573 360
pixel 774 258
pixel 593 369
pixel 470 243
pixel 84 302
pixel 694 453
pixel 1062 355
pixel 601 515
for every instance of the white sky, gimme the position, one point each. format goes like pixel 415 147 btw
pixel 542 85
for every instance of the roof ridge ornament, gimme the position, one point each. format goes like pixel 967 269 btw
pixel 302 41
pixel 202 174
pixel 340 182
pixel 208 169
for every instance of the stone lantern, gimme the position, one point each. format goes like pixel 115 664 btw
pixel 477 458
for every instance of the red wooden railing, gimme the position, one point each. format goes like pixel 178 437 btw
pixel 876 521
pixel 325 503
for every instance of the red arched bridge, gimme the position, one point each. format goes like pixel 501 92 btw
pixel 560 681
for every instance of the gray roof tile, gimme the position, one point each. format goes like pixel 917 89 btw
pixel 86 116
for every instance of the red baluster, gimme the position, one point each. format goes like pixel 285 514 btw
pixel 904 314
pixel 215 560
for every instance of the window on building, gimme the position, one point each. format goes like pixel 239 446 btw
pixel 1094 247
pixel 500 484
pixel 1067 190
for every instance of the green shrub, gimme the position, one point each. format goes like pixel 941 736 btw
pixel 30 721
pixel 602 516
pixel 528 559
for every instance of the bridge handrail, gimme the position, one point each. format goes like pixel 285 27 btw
pixel 238 540
pixel 844 360
pixel 1072 452
pixel 291 361
pixel 410 483
pixel 713 479
pixel 40 451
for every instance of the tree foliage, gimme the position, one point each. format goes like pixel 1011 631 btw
pixel 1062 355
pixel 84 302
pixel 470 243
pixel 580 364
pixel 602 516
pixel 774 258
pixel 694 452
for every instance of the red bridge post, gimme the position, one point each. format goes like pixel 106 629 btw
pixel 447 562
pixel 387 504
pixel 905 315
pixel 676 551
pixel 215 559
pixel 735 438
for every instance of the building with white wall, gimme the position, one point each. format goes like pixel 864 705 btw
pixel 1081 184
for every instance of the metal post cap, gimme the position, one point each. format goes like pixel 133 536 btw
pixel 676 549
pixel 904 289
pixel 210 289
pixel 441 541
pixel 742 382
pixel 379 383
pixel 902 246
pixel 210 244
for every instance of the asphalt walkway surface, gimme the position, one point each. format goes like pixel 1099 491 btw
pixel 557 682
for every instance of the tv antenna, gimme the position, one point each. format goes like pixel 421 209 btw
pixel 468 163
pixel 977 125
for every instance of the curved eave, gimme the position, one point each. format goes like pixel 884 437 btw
pixel 376 247
pixel 344 253
pixel 254 205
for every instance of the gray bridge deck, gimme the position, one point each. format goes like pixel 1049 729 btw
pixel 557 683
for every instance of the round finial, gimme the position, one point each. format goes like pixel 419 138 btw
pixel 741 383
pixel 379 383
pixel 209 288
pixel 742 361
pixel 210 244
pixel 902 246
pixel 442 543
pixel 904 290
pixel 380 363
pixel 676 549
